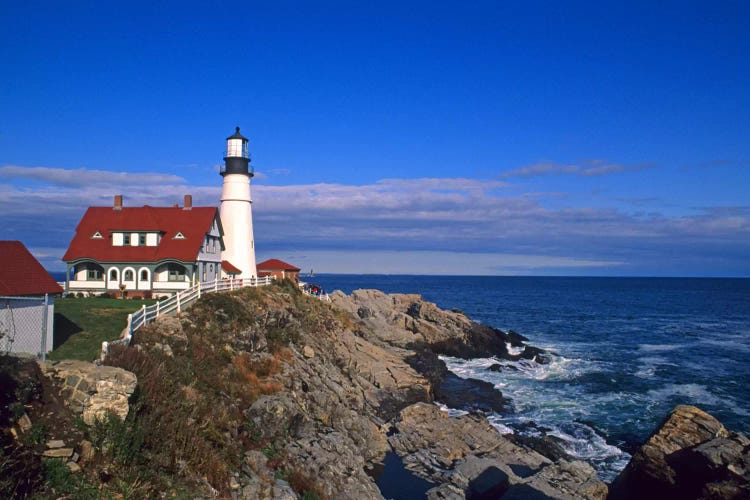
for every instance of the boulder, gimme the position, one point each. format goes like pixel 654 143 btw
pixel 94 390
pixel 691 455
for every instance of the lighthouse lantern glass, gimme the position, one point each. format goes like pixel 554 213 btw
pixel 236 148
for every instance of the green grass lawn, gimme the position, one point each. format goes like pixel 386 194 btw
pixel 82 324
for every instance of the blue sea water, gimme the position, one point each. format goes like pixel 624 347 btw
pixel 625 351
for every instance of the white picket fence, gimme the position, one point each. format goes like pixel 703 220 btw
pixel 177 302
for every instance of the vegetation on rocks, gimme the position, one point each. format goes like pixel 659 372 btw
pixel 267 393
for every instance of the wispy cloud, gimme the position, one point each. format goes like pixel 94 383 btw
pixel 588 168
pixel 83 177
pixel 464 220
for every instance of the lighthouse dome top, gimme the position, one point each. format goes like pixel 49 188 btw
pixel 237 135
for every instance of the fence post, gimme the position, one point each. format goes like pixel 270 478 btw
pixel 130 324
pixel 178 302
pixel 105 349
pixel 157 307
pixel 143 313
pixel 44 327
pixel 216 284
pixel 199 289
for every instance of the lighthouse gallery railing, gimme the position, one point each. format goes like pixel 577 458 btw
pixel 177 302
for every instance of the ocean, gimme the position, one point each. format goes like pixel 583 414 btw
pixel 625 351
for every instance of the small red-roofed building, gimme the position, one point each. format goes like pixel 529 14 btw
pixel 27 306
pixel 279 269
pixel 228 270
pixel 144 251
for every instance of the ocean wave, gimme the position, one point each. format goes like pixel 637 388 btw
pixel 649 364
pixel 659 347
pixel 513 351
pixel 697 394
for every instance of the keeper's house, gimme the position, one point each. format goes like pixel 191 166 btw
pixel 144 251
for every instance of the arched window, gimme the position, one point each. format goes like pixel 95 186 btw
pixel 113 275
pixel 144 275
pixel 128 276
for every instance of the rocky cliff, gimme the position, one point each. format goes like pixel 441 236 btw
pixel 267 393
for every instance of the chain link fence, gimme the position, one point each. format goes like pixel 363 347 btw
pixel 26 325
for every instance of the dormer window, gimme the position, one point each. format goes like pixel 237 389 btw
pixel 179 236
pixel 97 236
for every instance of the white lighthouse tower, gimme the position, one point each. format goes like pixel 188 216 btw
pixel 236 207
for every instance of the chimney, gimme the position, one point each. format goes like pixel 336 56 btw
pixel 188 202
pixel 118 202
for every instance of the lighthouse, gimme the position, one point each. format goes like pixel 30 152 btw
pixel 236 207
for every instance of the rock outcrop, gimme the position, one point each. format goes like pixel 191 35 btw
pixel 94 390
pixel 691 455
pixel 406 320
pixel 467 457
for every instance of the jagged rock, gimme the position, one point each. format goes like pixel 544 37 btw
pixel 459 450
pixel 406 320
pixel 308 352
pixel 282 491
pixel 73 467
pixel 691 455
pixel 569 479
pixel 490 484
pixel 454 391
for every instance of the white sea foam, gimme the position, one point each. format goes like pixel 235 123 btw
pixel 497 422
pixel 649 364
pixel 453 412
pixel 694 392
pixel 699 395
pixel 514 351
pixel 658 347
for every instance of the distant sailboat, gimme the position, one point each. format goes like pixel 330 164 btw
pixel 311 273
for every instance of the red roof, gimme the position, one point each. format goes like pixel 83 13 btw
pixel 21 273
pixel 228 268
pixel 275 265
pixel 193 224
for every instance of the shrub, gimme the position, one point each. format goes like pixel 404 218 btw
pixel 59 478
pixel 118 439
pixel 38 434
pixel 20 469
pixel 304 485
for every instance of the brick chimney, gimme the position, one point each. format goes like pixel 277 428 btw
pixel 118 202
pixel 188 202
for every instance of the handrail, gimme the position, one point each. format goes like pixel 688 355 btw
pixel 178 301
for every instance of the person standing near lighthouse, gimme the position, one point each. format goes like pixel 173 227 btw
pixel 236 207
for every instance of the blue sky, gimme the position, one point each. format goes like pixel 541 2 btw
pixel 557 138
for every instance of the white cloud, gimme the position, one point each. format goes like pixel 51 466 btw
pixel 588 168
pixel 82 177
pixel 460 218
